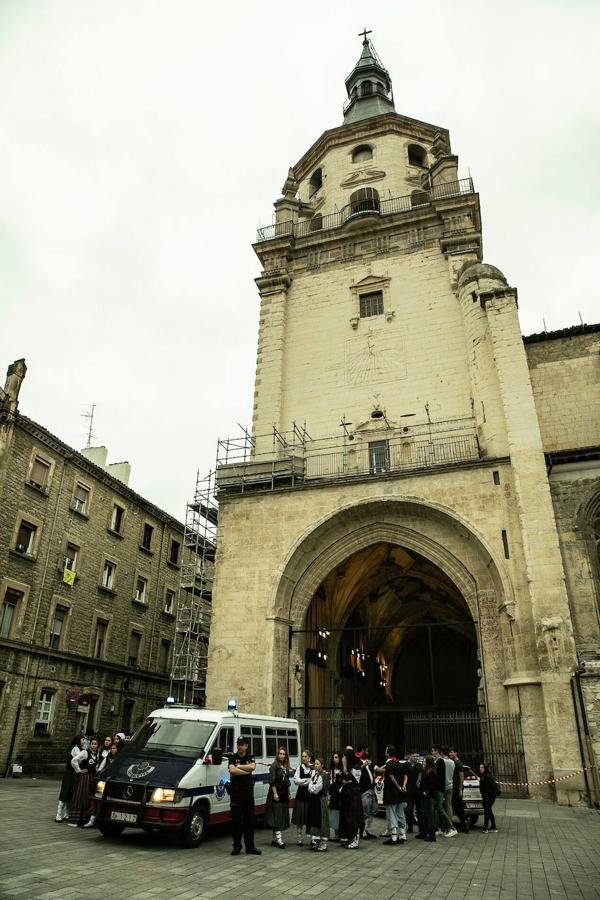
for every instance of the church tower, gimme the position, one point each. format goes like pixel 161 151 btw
pixel 387 545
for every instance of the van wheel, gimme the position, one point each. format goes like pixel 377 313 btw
pixel 110 829
pixel 473 820
pixel 194 829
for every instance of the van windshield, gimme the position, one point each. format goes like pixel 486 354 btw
pixel 171 737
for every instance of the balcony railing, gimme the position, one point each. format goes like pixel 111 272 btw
pixel 380 451
pixel 419 198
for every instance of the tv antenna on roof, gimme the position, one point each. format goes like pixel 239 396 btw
pixel 89 414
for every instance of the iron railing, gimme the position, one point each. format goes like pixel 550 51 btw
pixel 291 457
pixel 394 206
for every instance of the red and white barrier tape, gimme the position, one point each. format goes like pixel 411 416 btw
pixel 549 781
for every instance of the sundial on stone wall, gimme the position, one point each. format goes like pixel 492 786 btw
pixel 374 357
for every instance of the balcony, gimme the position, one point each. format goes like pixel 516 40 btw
pixel 296 460
pixel 395 206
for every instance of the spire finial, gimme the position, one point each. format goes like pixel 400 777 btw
pixel 363 34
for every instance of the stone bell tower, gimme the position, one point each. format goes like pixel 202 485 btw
pixel 353 279
pixel 394 477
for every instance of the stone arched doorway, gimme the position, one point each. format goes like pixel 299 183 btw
pixel 408 584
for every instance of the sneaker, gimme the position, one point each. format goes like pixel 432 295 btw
pixel 236 851
pixel 484 831
pixel 439 831
pixel 322 848
pixel 280 846
pixel 58 819
pixel 493 831
pixel 352 846
pixel 451 833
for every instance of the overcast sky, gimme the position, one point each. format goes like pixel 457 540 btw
pixel 142 143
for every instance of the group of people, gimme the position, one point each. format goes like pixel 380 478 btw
pixel 341 798
pixel 86 761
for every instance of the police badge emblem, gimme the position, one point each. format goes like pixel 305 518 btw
pixel 140 770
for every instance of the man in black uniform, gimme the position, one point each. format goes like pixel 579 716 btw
pixel 241 794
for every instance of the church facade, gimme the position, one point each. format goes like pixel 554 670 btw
pixel 410 533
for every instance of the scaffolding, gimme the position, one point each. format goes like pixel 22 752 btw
pixel 194 610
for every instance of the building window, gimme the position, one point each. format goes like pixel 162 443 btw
pixel 379 457
pixel 174 552
pixel 170 602
pixel 135 639
pixel 147 536
pixel 365 200
pixel 100 639
pixel 44 714
pixel 81 499
pixel 371 304
pixel 26 538
pixel 70 558
pixel 366 88
pixel 116 521
pixel 108 575
pixel 57 627
pixel 362 154
pixel 417 156
pixel 316 182
pixel 127 717
pixel 140 589
pixel 40 472
pixel 8 611
pixel 164 653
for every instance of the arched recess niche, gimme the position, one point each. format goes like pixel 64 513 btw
pixel 429 529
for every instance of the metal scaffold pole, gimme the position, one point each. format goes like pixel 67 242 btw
pixel 189 661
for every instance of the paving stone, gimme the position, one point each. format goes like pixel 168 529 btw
pixel 539 856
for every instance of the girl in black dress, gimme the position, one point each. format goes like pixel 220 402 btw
pixel 351 813
pixel 335 778
pixel 489 790
pixel 302 779
pixel 278 815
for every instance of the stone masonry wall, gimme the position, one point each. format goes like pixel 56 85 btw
pixel 27 664
pixel 565 376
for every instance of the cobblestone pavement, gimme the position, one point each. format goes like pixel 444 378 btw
pixel 541 851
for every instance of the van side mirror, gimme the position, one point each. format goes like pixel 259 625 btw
pixel 217 756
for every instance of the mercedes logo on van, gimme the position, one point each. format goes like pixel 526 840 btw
pixel 128 792
pixel 140 770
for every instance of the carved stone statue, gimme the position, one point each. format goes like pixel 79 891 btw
pixel 14 377
pixel 290 187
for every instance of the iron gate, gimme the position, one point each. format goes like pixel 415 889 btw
pixel 477 737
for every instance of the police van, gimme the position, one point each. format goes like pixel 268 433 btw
pixel 173 775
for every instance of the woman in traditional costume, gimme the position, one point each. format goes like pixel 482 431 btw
pixel 318 809
pixel 278 814
pixel 300 811
pixel 69 780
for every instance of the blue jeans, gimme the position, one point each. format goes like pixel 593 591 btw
pixel 394 817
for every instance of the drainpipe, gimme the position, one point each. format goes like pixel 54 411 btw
pixel 579 738
pixel 588 740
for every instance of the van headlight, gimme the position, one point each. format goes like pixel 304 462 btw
pixel 163 795
pixel 100 785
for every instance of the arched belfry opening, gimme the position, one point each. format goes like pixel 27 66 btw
pixel 389 635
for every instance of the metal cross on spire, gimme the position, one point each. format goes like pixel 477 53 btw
pixel 363 34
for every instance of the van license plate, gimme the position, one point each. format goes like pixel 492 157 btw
pixel 123 816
